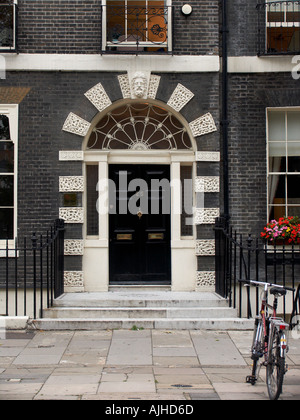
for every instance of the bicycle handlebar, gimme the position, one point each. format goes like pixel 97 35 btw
pixel 268 284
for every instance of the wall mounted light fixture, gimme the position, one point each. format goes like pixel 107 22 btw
pixel 186 10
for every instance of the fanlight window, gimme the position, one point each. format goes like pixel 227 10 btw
pixel 140 126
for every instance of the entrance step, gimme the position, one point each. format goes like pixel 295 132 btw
pixel 128 309
pixel 140 299
pixel 139 313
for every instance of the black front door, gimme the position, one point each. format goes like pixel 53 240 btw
pixel 139 224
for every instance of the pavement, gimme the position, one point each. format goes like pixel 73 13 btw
pixel 154 365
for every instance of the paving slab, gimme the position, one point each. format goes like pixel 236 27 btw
pixel 130 348
pixel 70 385
pixel 174 351
pixel 180 365
pixel 172 361
pixel 216 348
pixel 171 338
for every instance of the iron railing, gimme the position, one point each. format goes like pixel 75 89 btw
pixel 239 258
pixel 32 272
pixel 279 27
pixel 136 29
pixel 295 316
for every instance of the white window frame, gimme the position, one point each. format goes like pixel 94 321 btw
pixel 12 112
pixel 286 173
pixel 127 44
pixel 14 46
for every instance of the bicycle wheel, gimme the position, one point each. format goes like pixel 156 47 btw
pixel 275 367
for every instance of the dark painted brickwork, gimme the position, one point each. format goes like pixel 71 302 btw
pixel 74 26
pixel 249 96
pixel 243 27
pixel 59 26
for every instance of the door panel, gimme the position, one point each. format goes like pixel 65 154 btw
pixel 139 251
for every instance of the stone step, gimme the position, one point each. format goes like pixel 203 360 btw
pixel 127 309
pixel 143 323
pixel 139 313
pixel 134 299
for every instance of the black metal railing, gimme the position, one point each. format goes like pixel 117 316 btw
pixel 32 272
pixel 295 316
pixel 279 27
pixel 239 258
pixel 136 29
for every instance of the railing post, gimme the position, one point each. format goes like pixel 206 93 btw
pixel 249 250
pixel 6 276
pixel 221 263
pixel 16 276
pixel 41 276
pixel 34 247
pixel 59 286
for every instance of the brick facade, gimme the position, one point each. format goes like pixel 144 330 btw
pixel 75 27
pixel 45 98
pixel 249 96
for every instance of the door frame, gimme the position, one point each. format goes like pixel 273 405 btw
pixel 183 255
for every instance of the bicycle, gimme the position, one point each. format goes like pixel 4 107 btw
pixel 270 340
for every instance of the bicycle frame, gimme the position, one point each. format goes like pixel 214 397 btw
pixel 269 340
pixel 269 323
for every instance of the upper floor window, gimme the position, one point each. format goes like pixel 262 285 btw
pixel 136 26
pixel 281 20
pixel 283 162
pixel 8 25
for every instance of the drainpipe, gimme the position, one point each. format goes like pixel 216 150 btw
pixel 224 118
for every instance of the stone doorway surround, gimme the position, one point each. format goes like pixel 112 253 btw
pixel 186 275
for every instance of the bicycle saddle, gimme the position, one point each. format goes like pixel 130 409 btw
pixel 277 291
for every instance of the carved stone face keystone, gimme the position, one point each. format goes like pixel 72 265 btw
pixel 139 85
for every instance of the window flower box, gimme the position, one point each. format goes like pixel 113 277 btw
pixel 285 230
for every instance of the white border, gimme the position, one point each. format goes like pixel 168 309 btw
pixel 108 63
pixel 132 63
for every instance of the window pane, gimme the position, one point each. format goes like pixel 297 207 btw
pixel 293 148
pixel 92 197
pixel 6 190
pixel 6 157
pixel 293 190
pixel 4 128
pixel 70 200
pixel 6 223
pixel 294 211
pixel 275 212
pixel 136 20
pixel 277 164
pixel 157 22
pixel 277 156
pixel 186 179
pixel 276 123
pixel 293 126
pixel 277 189
pixel 294 164
pixel 6 26
pixel 115 15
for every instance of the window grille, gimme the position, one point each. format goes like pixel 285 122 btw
pixel 279 27
pixel 134 26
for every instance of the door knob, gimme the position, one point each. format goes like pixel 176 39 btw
pixel 139 214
